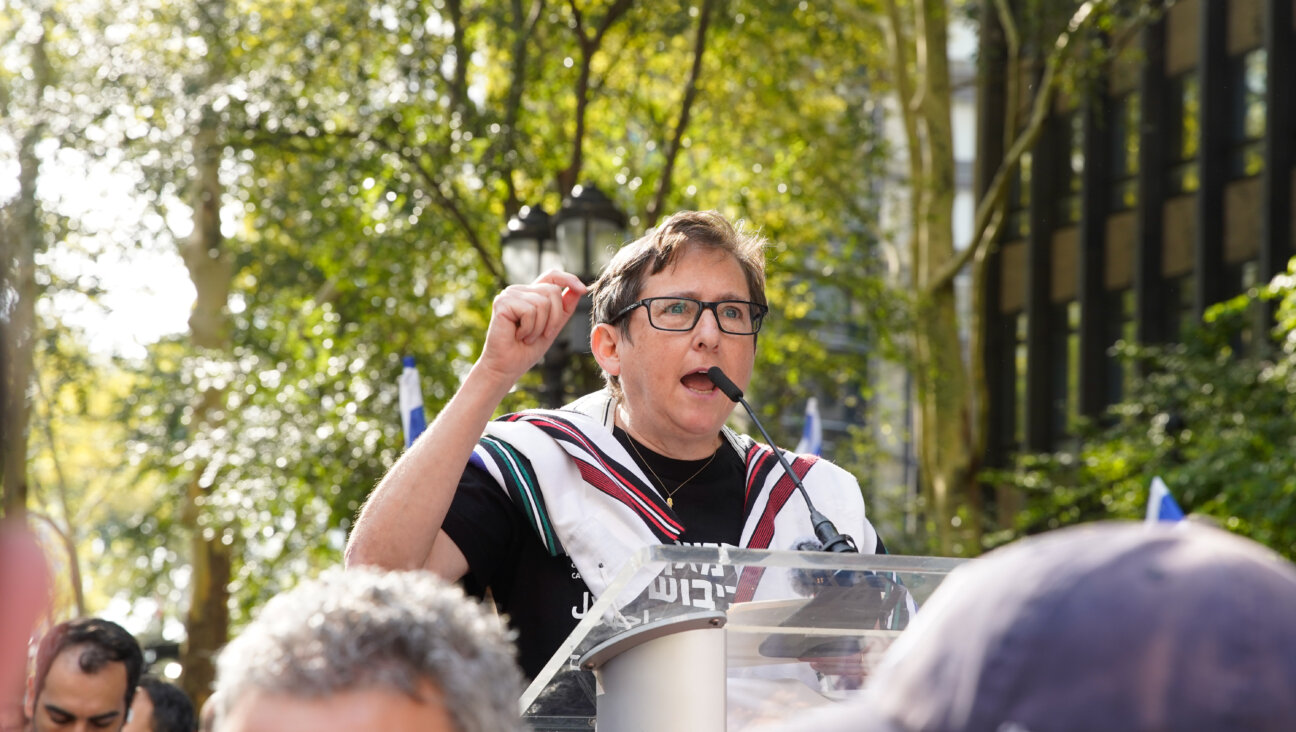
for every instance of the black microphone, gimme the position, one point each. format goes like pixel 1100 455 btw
pixel 833 540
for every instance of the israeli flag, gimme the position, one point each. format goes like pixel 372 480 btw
pixel 1161 505
pixel 411 402
pixel 812 434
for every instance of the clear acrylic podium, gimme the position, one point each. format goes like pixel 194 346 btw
pixel 716 638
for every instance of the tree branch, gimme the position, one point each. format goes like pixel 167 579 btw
pixel 447 202
pixel 524 24
pixel 898 41
pixel 459 81
pixel 996 195
pixel 68 535
pixel 589 46
pixel 614 13
pixel 74 562
pixel 578 20
pixel 686 106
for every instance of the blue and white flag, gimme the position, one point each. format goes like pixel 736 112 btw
pixel 812 434
pixel 411 402
pixel 1161 505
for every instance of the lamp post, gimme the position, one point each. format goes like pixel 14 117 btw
pixel 581 238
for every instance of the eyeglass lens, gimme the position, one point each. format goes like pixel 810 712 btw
pixel 734 316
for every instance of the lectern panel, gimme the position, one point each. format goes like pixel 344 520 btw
pixel 802 629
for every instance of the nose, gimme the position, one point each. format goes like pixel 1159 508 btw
pixel 706 332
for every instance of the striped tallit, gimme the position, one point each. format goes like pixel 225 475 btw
pixel 584 496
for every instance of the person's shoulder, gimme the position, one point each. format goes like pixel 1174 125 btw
pixel 741 443
pixel 827 469
pixel 599 406
pixel 822 468
pixel 589 413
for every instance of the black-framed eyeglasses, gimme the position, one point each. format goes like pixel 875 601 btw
pixel 678 314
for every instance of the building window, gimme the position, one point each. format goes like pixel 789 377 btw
pixel 1071 168
pixel 1121 325
pixel 1182 313
pixel 1018 221
pixel 1185 132
pixel 1064 364
pixel 1248 79
pixel 1019 382
pixel 1123 149
pixel 1241 279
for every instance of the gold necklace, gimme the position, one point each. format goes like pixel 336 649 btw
pixel 670 496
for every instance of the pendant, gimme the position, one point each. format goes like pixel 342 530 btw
pixel 670 502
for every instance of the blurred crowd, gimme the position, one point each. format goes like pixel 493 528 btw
pixel 1104 626
pixel 360 649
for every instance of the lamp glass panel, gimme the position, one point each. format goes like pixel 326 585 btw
pixel 605 238
pixel 571 244
pixel 521 259
pixel 549 259
pixel 576 333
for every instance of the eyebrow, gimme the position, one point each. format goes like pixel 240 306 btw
pixel 106 716
pixel 694 295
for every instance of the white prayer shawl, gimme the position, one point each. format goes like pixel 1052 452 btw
pixel 588 498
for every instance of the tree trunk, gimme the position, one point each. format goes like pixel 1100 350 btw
pixel 20 336
pixel 207 623
pixel 950 385
pixel 944 419
pixel 944 422
pixel 25 234
pixel 210 268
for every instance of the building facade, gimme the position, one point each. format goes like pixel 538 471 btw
pixel 1168 189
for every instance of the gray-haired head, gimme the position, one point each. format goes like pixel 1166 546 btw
pixel 363 629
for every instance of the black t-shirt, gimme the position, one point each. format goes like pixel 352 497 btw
pixel 544 596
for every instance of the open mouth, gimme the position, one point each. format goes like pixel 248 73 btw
pixel 698 381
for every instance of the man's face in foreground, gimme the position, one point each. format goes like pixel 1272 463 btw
pixel 373 708
pixel 74 700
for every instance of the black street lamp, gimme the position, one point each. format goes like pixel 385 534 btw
pixel 589 229
pixel 581 238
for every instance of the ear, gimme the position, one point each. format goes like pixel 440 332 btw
pixel 29 698
pixel 605 343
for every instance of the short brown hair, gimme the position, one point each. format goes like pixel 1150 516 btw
pixel 623 279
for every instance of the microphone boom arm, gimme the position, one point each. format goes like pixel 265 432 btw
pixel 832 539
